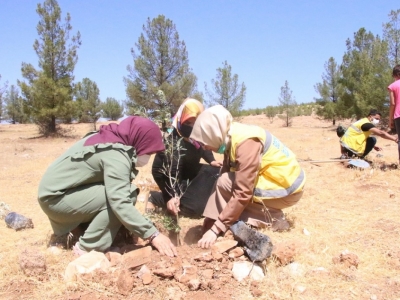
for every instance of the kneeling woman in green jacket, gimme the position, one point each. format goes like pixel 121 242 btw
pixel 92 183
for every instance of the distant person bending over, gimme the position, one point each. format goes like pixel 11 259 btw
pixel 394 94
pixel 357 142
pixel 260 176
pixel 194 179
pixel 92 183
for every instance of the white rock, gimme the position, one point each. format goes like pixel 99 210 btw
pixel 295 269
pixel 306 232
pixel 86 263
pixel 54 250
pixel 301 289
pixel 242 269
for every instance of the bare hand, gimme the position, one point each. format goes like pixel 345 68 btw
pixel 215 163
pixel 173 206
pixel 207 240
pixel 164 246
pixel 378 148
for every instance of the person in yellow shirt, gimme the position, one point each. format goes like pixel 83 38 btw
pixel 260 176
pixel 357 141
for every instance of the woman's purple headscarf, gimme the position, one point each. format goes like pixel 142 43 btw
pixel 138 132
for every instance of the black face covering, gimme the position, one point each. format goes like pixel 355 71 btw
pixel 185 130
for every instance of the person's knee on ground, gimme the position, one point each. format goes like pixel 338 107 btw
pixel 155 202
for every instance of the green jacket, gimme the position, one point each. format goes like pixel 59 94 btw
pixel 112 165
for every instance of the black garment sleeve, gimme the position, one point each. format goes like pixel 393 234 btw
pixel 207 155
pixel 367 126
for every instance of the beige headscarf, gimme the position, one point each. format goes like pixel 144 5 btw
pixel 190 108
pixel 212 126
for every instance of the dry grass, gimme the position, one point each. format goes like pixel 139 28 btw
pixel 343 209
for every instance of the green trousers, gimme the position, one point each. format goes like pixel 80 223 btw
pixel 85 204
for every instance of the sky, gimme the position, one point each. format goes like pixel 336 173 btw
pixel 266 42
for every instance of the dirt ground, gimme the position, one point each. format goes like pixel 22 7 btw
pixel 345 214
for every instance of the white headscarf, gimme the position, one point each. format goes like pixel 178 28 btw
pixel 212 126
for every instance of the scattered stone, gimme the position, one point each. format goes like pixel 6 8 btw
pixel 300 288
pixel 205 256
pixel 242 269
pixel 165 272
pixel 214 285
pixel 125 282
pixel 208 274
pixel 4 210
pixel 295 269
pixel 147 278
pixel 137 257
pixel 223 246
pixel 17 221
pixel 236 252
pixel 143 270
pixel 32 262
pixel 284 252
pixel 306 232
pixel 194 284
pixel 54 250
pixel 217 256
pixel 346 258
pixel 187 273
pixel 86 263
pixel 115 258
pixel 254 289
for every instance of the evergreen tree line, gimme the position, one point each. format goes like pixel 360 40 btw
pixel 157 82
pixel 351 88
pixel 278 111
pixel 160 78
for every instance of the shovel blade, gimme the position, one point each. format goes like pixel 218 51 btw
pixel 359 163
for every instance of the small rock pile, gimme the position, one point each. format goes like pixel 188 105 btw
pixel 204 270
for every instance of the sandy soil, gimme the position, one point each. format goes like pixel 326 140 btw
pixel 342 210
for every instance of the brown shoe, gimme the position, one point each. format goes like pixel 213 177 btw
pixel 280 225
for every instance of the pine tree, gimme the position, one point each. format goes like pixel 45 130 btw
pixel 365 76
pixel 2 90
pixel 287 103
pixel 87 98
pixel 391 34
pixel 48 90
pixel 14 106
pixel 112 109
pixel 330 90
pixel 226 90
pixel 160 64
